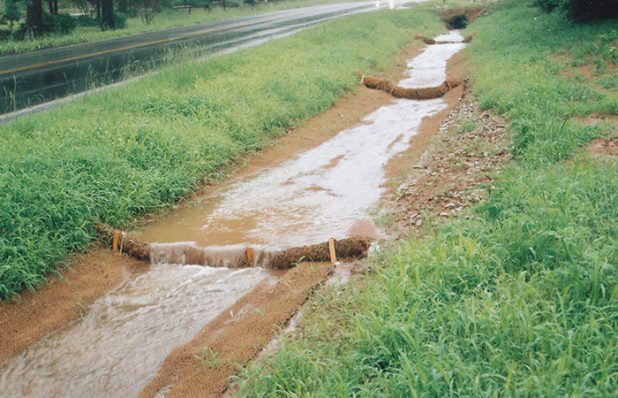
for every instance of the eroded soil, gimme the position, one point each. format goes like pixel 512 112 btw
pixel 604 148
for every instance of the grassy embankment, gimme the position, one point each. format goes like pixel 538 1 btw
pixel 521 300
pixel 141 147
pixel 167 19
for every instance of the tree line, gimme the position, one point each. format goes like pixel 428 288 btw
pixel 581 10
pixel 42 17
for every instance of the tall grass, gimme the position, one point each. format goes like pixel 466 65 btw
pixel 520 300
pixel 139 148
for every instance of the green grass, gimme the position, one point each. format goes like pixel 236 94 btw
pixel 522 299
pixel 139 148
pixel 167 19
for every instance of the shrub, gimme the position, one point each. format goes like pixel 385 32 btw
pixel 86 21
pixel 547 5
pixel 120 21
pixel 591 10
pixel 61 24
pixel 148 9
pixel 229 4
pixel 12 13
pixel 64 24
pixel 582 10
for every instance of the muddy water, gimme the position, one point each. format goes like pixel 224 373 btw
pixel 119 346
pixel 322 193
pixel 429 68
pixel 325 192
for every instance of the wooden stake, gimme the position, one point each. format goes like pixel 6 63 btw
pixel 115 240
pixel 331 247
pixel 249 254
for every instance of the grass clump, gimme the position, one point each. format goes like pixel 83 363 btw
pixel 139 148
pixel 521 299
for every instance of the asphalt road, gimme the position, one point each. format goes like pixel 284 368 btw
pixel 40 76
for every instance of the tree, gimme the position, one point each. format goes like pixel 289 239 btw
pixel 107 15
pixel 582 10
pixel 591 10
pixel 123 6
pixel 53 6
pixel 12 13
pixel 34 18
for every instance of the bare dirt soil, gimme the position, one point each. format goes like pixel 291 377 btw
pixel 604 148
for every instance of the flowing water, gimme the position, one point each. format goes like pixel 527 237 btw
pixel 119 346
pixel 325 192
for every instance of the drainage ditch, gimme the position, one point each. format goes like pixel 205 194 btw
pixel 125 343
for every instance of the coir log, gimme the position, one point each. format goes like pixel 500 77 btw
pixel 283 259
pixel 410 93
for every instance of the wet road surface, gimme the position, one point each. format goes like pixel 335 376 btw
pixel 40 76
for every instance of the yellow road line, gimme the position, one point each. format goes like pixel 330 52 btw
pixel 201 32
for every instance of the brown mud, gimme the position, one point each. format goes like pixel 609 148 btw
pixel 202 367
pixel 346 113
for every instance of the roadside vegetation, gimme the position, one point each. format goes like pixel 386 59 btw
pixel 130 17
pixel 522 298
pixel 139 148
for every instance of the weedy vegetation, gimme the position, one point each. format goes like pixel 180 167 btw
pixel 519 300
pixel 139 148
pixel 208 359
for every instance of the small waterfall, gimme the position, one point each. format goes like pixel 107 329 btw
pixel 232 256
